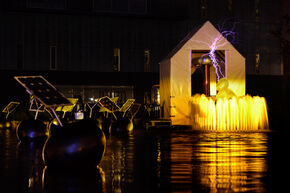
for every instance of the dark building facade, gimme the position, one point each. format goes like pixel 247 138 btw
pixel 121 42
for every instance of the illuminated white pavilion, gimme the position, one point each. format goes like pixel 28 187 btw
pixel 176 70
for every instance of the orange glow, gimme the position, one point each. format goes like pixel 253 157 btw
pixel 238 113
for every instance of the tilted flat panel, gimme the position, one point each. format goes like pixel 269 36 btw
pixel 43 91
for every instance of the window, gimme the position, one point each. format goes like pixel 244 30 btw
pixel 138 6
pixel 147 61
pixel 20 56
pixel 257 66
pixel 80 4
pixel 102 5
pixel 116 65
pixel 47 4
pixel 203 8
pixel 257 9
pixel 230 5
pixel 121 6
pixel 92 92
pixel 52 57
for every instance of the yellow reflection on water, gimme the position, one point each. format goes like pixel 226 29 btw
pixel 232 162
pixel 181 158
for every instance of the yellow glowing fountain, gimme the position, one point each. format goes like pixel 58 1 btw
pixel 227 112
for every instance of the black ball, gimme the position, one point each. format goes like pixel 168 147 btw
pixel 31 129
pixel 122 126
pixel 78 145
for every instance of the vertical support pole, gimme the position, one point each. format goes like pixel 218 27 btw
pixel 207 80
pixel 7 115
pixel 57 118
pixel 37 110
pixel 63 115
pixel 91 108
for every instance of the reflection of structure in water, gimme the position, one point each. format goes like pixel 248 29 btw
pixel 219 162
pixel 232 162
pixel 181 162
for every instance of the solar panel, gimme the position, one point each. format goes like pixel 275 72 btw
pixel 68 108
pixel 108 104
pixel 134 108
pixel 43 91
pixel 126 106
pixel 10 107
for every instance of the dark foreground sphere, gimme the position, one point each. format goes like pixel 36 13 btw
pixel 122 125
pixel 31 129
pixel 78 145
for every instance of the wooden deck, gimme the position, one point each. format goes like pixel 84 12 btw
pixel 158 123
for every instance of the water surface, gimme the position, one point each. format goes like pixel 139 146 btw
pixel 158 160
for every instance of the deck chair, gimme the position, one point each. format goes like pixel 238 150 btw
pixel 108 105
pixel 133 110
pixel 126 106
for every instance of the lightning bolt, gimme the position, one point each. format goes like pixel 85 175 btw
pixel 214 60
pixel 217 42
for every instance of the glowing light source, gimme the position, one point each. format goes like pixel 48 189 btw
pixel 229 114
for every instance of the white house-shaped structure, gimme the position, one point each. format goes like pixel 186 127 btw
pixel 176 70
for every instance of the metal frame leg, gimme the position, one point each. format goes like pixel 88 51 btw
pixel 58 120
